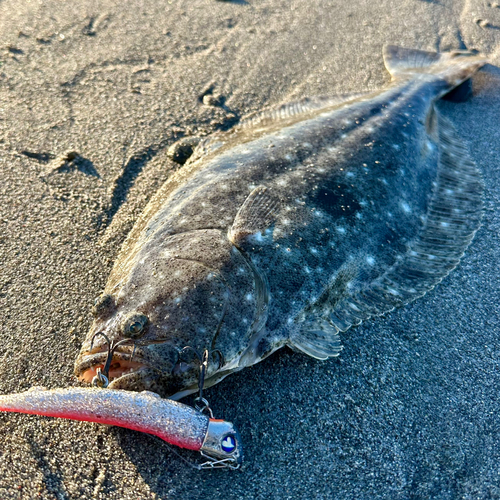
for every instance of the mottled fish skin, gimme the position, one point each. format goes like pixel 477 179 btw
pixel 294 226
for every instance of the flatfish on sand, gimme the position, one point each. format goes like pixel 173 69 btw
pixel 288 230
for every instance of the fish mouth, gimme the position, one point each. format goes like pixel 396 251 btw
pixel 122 365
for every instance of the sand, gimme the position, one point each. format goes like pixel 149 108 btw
pixel 409 410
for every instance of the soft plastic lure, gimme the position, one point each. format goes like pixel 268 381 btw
pixel 178 424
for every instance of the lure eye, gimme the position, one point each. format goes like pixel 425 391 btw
pixel 103 306
pixel 133 326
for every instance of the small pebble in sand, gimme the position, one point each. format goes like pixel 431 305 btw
pixel 182 149
pixel 211 100
pixel 62 160
pixel 483 23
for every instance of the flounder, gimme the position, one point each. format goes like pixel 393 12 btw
pixel 293 227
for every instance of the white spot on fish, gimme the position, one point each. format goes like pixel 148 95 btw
pixel 340 230
pixel 249 297
pixel 406 208
pixel 370 260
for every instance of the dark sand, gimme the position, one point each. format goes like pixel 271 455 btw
pixel 409 410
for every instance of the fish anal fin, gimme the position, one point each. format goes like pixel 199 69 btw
pixel 453 217
pixel 257 213
pixel 431 124
pixel 318 338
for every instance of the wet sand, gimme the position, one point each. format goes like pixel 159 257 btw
pixel 409 410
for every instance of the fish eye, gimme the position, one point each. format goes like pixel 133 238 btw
pixel 103 306
pixel 133 325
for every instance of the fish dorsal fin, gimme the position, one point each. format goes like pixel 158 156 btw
pixel 255 215
pixel 318 338
pixel 295 108
pixel 262 122
pixel 453 216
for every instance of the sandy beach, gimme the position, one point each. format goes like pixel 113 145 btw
pixel 92 94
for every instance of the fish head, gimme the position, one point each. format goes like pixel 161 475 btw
pixel 195 292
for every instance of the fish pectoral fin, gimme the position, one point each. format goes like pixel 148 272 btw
pixel 255 215
pixel 318 338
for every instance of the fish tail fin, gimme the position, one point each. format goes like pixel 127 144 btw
pixel 454 67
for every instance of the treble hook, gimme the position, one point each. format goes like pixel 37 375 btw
pixel 200 357
pixel 203 360
pixel 102 376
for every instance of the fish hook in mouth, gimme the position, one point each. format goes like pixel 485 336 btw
pixel 101 378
